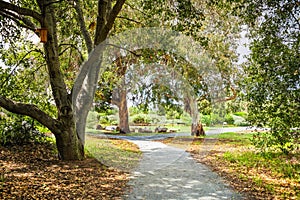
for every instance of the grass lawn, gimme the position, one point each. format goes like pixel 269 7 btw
pixel 118 154
pixel 259 176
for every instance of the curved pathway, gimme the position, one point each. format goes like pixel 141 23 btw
pixel 167 172
pixel 171 173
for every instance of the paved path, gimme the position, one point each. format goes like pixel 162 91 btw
pixel 170 173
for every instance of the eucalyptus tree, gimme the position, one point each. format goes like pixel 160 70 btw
pixel 63 21
pixel 208 25
pixel 217 29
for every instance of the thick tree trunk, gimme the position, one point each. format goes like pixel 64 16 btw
pixel 123 112
pixel 197 129
pixel 191 106
pixel 68 144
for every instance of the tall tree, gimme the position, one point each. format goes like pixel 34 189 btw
pixel 202 22
pixel 46 14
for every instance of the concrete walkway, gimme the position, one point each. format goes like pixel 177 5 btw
pixel 170 173
pixel 167 172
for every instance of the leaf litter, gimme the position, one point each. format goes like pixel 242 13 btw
pixel 34 172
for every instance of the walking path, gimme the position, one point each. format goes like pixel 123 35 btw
pixel 171 173
pixel 167 172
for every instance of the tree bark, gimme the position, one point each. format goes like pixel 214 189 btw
pixel 68 144
pixel 123 112
pixel 197 129
pixel 191 107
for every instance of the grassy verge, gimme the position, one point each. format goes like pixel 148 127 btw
pixel 118 154
pixel 259 176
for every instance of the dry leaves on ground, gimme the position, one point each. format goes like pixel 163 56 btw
pixel 33 172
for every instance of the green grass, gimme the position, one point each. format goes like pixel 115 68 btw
pixel 277 163
pixel 232 137
pixel 284 170
pixel 109 153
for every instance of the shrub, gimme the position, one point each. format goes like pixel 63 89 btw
pixel 240 121
pixel 92 120
pixel 241 114
pixel 20 132
pixel 229 119
pixel 216 119
pixel 284 141
pixel 205 119
pixel 141 119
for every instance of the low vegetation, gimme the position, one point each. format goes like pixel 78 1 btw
pixel 269 175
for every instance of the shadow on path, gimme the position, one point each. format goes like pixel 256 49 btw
pixel 170 173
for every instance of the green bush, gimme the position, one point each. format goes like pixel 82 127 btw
pixel 216 119
pixel 141 119
pixel 20 132
pixel 241 114
pixel 92 120
pixel 240 121
pixel 229 119
pixel 284 141
pixel 205 119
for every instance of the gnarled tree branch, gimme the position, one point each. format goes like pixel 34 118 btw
pixel 19 20
pixel 102 33
pixel 29 110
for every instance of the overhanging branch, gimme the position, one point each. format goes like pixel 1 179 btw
pixel 29 110
pixel 232 97
pixel 110 21
pixel 5 6
pixel 19 20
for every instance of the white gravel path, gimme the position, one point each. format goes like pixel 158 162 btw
pixel 170 173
